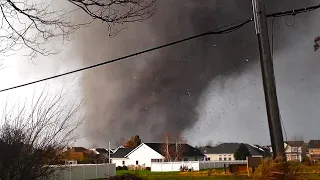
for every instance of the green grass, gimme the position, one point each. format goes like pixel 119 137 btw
pixel 148 175
pixel 145 173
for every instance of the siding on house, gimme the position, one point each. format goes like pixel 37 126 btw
pixel 225 151
pixel 295 150
pixel 220 157
pixel 147 153
pixel 143 156
pixel 314 150
pixel 119 157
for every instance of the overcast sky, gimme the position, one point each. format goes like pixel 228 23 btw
pixel 229 108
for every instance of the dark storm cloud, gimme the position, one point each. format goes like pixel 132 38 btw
pixel 158 92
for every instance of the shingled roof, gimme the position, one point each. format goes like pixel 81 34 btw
pixel 314 144
pixel 231 148
pixel 79 149
pixel 121 152
pixel 295 143
pixel 188 151
pixel 101 150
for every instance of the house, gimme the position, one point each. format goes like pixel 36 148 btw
pixel 295 150
pixel 102 154
pixel 147 153
pixel 119 156
pixel 76 153
pixel 225 151
pixel 314 150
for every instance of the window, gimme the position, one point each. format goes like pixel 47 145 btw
pixel 229 158
pixel 295 149
pixel 137 162
pixel 123 163
pixel 220 159
pixel 207 159
pixel 224 159
pixel 156 160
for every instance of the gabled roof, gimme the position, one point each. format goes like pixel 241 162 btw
pixel 231 148
pixel 121 153
pixel 314 144
pixel 295 143
pixel 188 151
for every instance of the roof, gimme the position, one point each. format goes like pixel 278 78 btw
pixel 231 148
pixel 188 151
pixel 101 150
pixel 314 144
pixel 79 149
pixel 295 143
pixel 121 152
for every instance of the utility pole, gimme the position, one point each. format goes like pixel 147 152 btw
pixel 269 86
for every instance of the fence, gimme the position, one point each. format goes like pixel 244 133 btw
pixel 218 164
pixel 195 165
pixel 84 171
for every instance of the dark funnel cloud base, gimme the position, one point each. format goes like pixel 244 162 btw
pixel 151 94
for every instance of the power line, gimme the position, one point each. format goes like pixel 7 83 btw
pixel 221 30
pixel 228 30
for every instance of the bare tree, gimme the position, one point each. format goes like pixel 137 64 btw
pixel 173 147
pixel 179 142
pixel 31 25
pixel 32 139
pixel 167 148
pixel 121 142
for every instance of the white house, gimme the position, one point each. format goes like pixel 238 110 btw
pixel 295 150
pixel 119 156
pixel 225 151
pixel 146 153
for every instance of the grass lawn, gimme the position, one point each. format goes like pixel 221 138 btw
pixel 179 176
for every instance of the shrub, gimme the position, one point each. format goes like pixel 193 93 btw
pixel 119 168
pixel 124 168
pixel 274 169
pixel 148 168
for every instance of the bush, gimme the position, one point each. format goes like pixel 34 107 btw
pixel 126 177
pixel 119 168
pixel 148 168
pixel 274 169
pixel 124 168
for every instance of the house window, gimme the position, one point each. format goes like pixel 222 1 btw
pixel 123 163
pixel 220 159
pixel 137 162
pixel 229 158
pixel 208 159
pixel 224 159
pixel 295 149
pixel 156 160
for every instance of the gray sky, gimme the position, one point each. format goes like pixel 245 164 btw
pixel 126 98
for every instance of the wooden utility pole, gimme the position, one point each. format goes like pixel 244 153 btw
pixel 269 86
